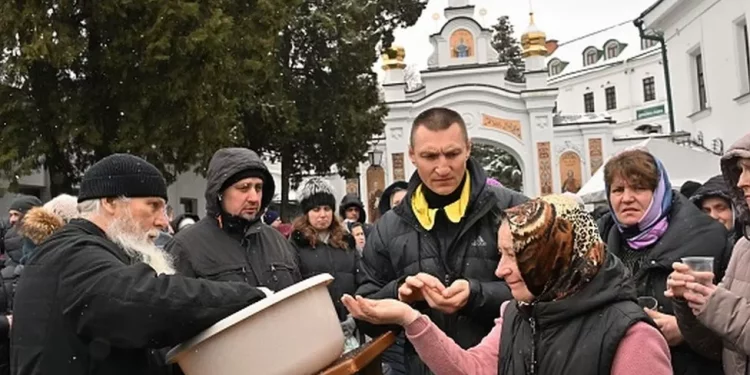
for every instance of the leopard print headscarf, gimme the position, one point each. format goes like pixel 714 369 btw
pixel 557 246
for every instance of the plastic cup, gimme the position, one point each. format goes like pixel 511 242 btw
pixel 648 302
pixel 699 264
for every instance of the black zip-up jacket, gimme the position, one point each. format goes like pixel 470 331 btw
pixel 691 233
pixel 399 247
pixel 324 258
pixel 84 307
pixel 577 335
pixel 256 254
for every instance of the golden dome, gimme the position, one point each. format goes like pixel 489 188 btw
pixel 534 40
pixel 393 58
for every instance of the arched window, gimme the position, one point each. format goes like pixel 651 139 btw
pixel 555 67
pixel 613 49
pixel 591 56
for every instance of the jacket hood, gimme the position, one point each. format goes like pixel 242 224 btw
pixel 350 200
pixel 385 199
pixel 610 285
pixel 39 223
pixel 715 187
pixel 226 163
pixel 731 172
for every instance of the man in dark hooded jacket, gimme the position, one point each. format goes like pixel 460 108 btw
pixel 714 198
pixel 231 243
pixel 443 232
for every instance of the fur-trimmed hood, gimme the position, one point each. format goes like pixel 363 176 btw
pixel 39 223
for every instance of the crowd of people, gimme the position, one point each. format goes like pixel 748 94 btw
pixel 473 277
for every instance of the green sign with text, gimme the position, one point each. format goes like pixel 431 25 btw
pixel 650 112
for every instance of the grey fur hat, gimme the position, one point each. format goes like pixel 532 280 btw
pixel 316 192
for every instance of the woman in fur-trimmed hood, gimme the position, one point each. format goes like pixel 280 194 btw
pixel 35 227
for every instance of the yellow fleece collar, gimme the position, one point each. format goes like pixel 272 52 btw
pixel 454 211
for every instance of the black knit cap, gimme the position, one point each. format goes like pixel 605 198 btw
pixel 23 203
pixel 314 193
pixel 122 175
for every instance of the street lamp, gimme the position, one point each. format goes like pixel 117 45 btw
pixel 376 157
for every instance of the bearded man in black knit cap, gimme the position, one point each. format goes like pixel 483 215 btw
pixel 98 295
pixel 231 243
pixel 10 239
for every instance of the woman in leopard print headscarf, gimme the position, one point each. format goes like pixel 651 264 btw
pixel 575 311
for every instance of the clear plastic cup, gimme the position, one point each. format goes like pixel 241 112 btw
pixel 699 264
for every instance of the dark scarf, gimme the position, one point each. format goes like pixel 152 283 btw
pixel 435 200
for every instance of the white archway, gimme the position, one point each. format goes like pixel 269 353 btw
pixel 525 180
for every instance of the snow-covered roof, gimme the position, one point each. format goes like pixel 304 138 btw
pixel 571 53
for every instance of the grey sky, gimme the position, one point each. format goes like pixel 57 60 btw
pixel 560 19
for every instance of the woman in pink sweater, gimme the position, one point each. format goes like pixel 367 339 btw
pixel 575 311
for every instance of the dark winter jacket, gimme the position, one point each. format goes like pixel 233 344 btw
pixel 83 306
pixel 12 242
pixel 560 333
pixel 324 258
pixel 717 187
pixel 690 233
pixel 256 254
pixel 399 247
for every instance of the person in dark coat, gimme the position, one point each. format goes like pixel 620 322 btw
pixel 322 244
pixel 231 243
pixel 98 294
pixel 352 209
pixel 11 243
pixel 714 198
pixel 35 227
pixel 393 357
pixel 392 196
pixel 650 227
pixel 445 229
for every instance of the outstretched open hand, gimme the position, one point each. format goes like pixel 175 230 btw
pixel 383 311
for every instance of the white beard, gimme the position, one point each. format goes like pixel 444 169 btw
pixel 138 244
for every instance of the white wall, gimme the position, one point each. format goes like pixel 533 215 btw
pixel 708 26
pixel 627 78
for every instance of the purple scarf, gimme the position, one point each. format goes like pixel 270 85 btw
pixel 655 222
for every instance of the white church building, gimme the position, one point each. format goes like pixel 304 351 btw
pixel 555 153
pixel 708 46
